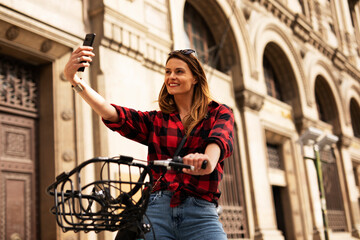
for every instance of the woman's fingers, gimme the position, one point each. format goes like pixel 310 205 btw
pixel 83 48
pixel 81 57
pixel 196 160
pixel 84 55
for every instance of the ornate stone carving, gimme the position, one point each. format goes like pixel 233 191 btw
pixel 302 123
pixel 67 115
pixel 301 28
pixel 344 141
pixel 46 46
pixel 17 85
pixel 339 59
pixel 15 144
pixel 62 77
pixel 247 12
pixel 68 156
pixel 249 99
pixel 12 33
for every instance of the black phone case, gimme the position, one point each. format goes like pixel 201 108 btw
pixel 88 41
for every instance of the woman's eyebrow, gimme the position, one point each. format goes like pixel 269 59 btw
pixel 178 68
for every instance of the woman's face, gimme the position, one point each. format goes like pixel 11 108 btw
pixel 179 79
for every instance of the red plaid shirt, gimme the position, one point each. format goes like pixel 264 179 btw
pixel 162 133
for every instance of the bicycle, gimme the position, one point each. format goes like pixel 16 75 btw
pixel 115 202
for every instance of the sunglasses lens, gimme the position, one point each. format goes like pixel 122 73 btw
pixel 183 51
pixel 187 51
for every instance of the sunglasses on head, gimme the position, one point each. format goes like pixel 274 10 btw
pixel 183 51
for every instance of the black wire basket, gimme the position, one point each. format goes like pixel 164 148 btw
pixel 116 201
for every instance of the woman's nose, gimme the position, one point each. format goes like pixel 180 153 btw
pixel 172 75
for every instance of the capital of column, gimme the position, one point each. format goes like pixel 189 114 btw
pixel 345 141
pixel 249 99
pixel 302 123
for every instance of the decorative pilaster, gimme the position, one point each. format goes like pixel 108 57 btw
pixel 250 103
pixel 344 144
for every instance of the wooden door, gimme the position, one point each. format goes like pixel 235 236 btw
pixel 17 174
pixel 18 115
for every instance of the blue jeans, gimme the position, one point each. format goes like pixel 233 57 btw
pixel 193 219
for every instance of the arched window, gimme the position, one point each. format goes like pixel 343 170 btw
pixel 320 107
pixel 355 117
pixel 325 101
pixel 271 80
pixel 200 36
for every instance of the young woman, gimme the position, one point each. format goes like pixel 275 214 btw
pixel 182 204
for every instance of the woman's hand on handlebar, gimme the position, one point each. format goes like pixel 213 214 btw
pixel 196 160
pixel 81 57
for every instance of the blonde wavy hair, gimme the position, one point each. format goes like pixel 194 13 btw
pixel 201 96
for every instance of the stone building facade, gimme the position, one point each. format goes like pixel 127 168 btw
pixel 287 68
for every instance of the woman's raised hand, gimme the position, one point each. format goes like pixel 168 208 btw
pixel 81 57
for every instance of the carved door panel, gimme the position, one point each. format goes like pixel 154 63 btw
pixel 17 178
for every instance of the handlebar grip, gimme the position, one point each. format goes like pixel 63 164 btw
pixel 180 165
pixel 171 164
pixel 204 164
pixel 178 159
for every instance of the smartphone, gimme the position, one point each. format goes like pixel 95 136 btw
pixel 88 41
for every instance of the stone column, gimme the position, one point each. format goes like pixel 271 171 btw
pixel 353 193
pixel 315 202
pixel 177 24
pixel 315 214
pixel 250 104
pixel 346 30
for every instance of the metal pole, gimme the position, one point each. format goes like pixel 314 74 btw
pixel 322 190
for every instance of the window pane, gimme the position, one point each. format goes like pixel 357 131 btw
pixel 272 84
pixel 200 36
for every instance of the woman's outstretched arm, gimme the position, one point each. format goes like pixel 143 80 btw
pixel 95 100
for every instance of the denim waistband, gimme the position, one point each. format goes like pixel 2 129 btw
pixel 163 192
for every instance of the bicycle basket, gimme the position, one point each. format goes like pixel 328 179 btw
pixel 118 200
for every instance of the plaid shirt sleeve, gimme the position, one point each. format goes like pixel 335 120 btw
pixel 222 131
pixel 132 124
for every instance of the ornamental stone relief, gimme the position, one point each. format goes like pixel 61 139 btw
pixel 15 143
pixel 249 99
pixel 15 138
pixel 17 85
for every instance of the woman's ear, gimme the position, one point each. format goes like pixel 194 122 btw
pixel 195 81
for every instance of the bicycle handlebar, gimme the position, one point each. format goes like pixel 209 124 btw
pixel 175 163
